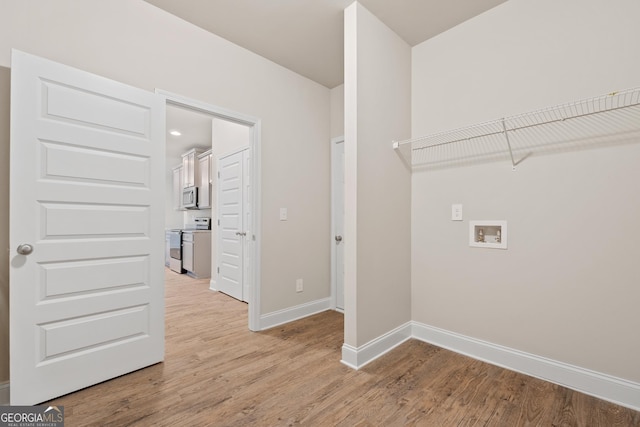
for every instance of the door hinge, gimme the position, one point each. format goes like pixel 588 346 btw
pixel 218 174
pixel 218 270
pixel 218 222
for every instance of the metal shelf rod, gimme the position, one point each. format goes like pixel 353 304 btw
pixel 629 98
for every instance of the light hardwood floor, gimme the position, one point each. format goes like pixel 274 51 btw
pixel 218 373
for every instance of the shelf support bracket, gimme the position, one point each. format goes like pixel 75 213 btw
pixel 506 137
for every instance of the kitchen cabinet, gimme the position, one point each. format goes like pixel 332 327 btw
pixel 187 251
pixel 177 188
pixel 190 167
pixel 196 253
pixel 204 183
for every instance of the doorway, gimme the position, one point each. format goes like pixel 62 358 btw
pixel 252 268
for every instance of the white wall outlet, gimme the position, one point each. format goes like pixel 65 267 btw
pixel 299 286
pixel 283 214
pixel 456 212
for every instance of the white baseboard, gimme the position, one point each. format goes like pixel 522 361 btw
pixel 602 386
pixel 287 315
pixel 212 285
pixel 4 394
pixel 356 358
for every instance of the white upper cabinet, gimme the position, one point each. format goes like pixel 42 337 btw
pixel 204 183
pixel 178 176
pixel 190 167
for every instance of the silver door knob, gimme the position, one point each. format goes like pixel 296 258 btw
pixel 25 249
pixel 338 238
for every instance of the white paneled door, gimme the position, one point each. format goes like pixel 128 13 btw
pixel 338 219
pixel 87 219
pixel 234 235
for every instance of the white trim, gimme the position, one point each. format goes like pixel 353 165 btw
pixel 213 284
pixel 287 315
pixel 356 358
pixel 256 205
pixel 5 394
pixel 256 132
pixel 602 386
pixel 349 356
pixel 334 287
pixel 232 152
pixel 207 108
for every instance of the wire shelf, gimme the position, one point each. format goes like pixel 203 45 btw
pixel 604 120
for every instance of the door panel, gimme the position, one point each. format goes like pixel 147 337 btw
pixel 72 337
pixel 69 279
pixel 68 220
pixel 91 165
pixel 87 192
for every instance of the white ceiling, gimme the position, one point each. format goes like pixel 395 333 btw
pixel 306 36
pixel 195 128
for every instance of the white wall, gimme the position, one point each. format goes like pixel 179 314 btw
pixel 138 44
pixel 567 287
pixel 377 183
pixel 337 111
pixel 228 137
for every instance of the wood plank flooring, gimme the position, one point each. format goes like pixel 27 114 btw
pixel 218 373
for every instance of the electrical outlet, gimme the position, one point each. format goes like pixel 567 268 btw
pixel 283 214
pixel 299 286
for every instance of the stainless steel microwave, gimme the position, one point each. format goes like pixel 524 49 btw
pixel 190 198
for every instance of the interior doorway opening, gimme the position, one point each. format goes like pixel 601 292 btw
pixel 230 132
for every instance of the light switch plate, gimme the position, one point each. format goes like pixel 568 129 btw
pixel 456 212
pixel 283 214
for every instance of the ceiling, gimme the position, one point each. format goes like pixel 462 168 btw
pixel 306 36
pixel 194 126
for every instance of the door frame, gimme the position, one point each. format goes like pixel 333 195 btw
pixel 334 171
pixel 254 124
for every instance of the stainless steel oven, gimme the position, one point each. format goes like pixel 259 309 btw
pixel 175 250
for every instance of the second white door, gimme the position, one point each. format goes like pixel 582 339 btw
pixel 234 234
pixel 338 220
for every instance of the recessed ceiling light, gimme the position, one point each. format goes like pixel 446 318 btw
pixel 175 132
